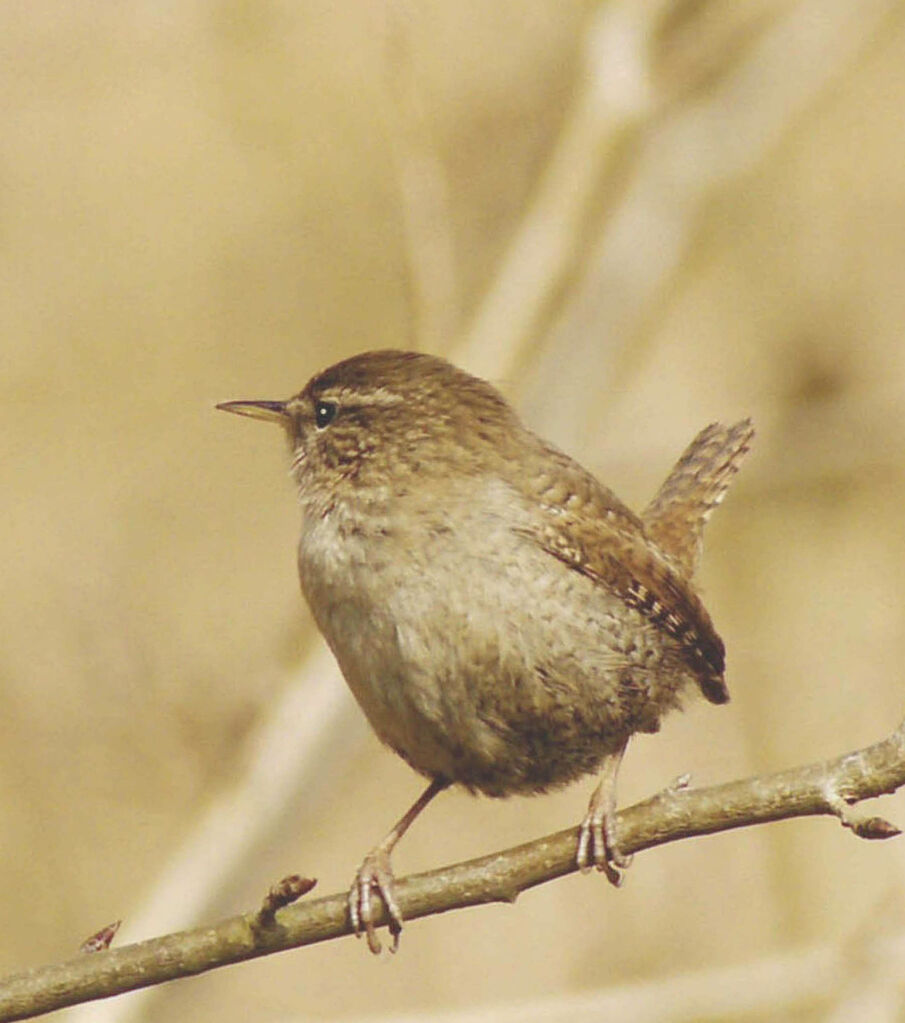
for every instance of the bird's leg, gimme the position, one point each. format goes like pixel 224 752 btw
pixel 597 842
pixel 376 874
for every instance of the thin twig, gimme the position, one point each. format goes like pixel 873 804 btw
pixel 102 939
pixel 290 889
pixel 828 787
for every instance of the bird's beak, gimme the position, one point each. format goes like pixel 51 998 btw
pixel 270 411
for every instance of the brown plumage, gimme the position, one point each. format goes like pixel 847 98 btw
pixel 503 619
pixel 675 518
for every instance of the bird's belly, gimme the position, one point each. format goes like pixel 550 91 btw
pixel 401 701
pixel 400 698
pixel 520 675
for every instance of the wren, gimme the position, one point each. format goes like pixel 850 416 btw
pixel 505 622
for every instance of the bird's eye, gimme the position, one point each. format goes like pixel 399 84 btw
pixel 324 413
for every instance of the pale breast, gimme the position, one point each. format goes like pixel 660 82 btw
pixel 474 653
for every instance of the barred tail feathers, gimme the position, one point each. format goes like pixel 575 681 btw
pixel 675 517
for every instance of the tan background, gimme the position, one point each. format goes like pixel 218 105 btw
pixel 213 200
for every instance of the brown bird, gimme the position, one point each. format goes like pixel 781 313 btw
pixel 505 622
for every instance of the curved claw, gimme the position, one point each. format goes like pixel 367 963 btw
pixel 598 844
pixel 598 847
pixel 374 874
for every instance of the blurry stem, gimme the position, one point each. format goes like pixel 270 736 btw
pixel 615 98
pixel 701 142
pixel 423 189
pixel 829 787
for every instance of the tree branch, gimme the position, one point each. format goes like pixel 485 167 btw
pixel 829 787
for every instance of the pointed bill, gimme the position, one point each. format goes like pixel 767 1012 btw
pixel 270 411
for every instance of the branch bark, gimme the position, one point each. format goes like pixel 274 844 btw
pixel 827 788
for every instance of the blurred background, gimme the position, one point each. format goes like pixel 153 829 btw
pixel 634 217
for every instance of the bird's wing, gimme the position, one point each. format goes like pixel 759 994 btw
pixel 587 528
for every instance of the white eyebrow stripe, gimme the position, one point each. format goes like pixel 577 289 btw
pixel 380 396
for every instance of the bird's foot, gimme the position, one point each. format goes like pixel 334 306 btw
pixel 598 845
pixel 374 875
